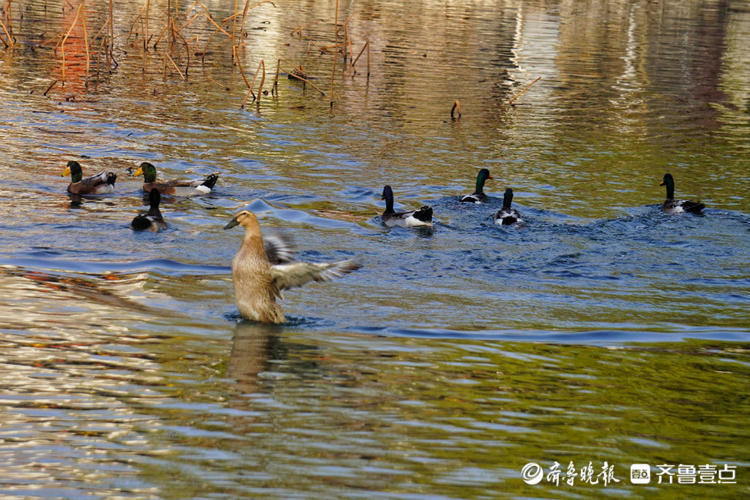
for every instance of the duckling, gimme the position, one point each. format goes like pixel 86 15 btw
pixel 103 182
pixel 258 281
pixel 415 218
pixel 506 215
pixel 187 187
pixel 673 206
pixel 151 220
pixel 478 195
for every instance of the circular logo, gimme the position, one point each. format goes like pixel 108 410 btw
pixel 532 473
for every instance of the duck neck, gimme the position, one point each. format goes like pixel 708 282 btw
pixel 480 185
pixel 154 211
pixel 253 238
pixel 388 203
pixel 670 190
pixel 507 200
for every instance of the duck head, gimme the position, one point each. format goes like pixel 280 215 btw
pixel 482 176
pixel 73 168
pixel 246 219
pixel 147 170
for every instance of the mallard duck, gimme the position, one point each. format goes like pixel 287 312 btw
pixel 187 187
pixel 415 218
pixel 259 281
pixel 478 195
pixel 506 215
pixel 673 206
pixel 103 182
pixel 151 220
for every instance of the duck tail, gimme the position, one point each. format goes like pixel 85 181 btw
pixel 210 181
pixel 693 207
pixel 111 178
pixel 424 214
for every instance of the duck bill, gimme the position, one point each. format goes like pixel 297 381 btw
pixel 662 183
pixel 231 223
pixel 490 176
pixel 138 172
pixel 65 172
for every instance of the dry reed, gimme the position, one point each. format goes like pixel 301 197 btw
pixel 527 87
pixel 336 39
pixel 456 110
pixel 169 39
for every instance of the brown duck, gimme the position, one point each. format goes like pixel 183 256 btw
pixel 103 182
pixel 176 187
pixel 261 271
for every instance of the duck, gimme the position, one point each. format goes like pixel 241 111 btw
pixel 414 218
pixel 260 274
pixel 101 183
pixel 673 206
pixel 506 215
pixel 176 187
pixel 151 220
pixel 478 195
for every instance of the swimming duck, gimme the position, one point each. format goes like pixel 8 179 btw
pixel 506 215
pixel 151 220
pixel 258 281
pixel 673 206
pixel 415 218
pixel 187 187
pixel 103 182
pixel 478 195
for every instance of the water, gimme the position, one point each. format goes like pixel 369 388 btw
pixel 601 330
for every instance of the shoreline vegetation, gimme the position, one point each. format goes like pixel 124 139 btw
pixel 181 40
pixel 183 37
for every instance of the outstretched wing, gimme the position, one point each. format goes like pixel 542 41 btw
pixel 298 273
pixel 279 248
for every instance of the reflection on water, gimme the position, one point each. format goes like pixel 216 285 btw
pixel 601 330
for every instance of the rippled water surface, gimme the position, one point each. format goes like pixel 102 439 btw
pixel 600 330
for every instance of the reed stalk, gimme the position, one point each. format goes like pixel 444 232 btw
pixel 239 65
pixel 111 47
pixel 299 77
pixel 179 36
pixel 85 38
pixel 138 17
pixel 275 87
pixel 360 53
pixel 145 33
pixel 54 82
pixel 262 79
pixel 456 109
pixel 9 20
pixel 527 87
pixel 177 68
pixel 234 27
pixel 9 43
pixel 65 39
pixel 336 39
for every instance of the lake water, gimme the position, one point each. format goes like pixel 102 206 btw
pixel 600 332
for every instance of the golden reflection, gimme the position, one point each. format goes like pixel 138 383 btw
pixel 252 346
